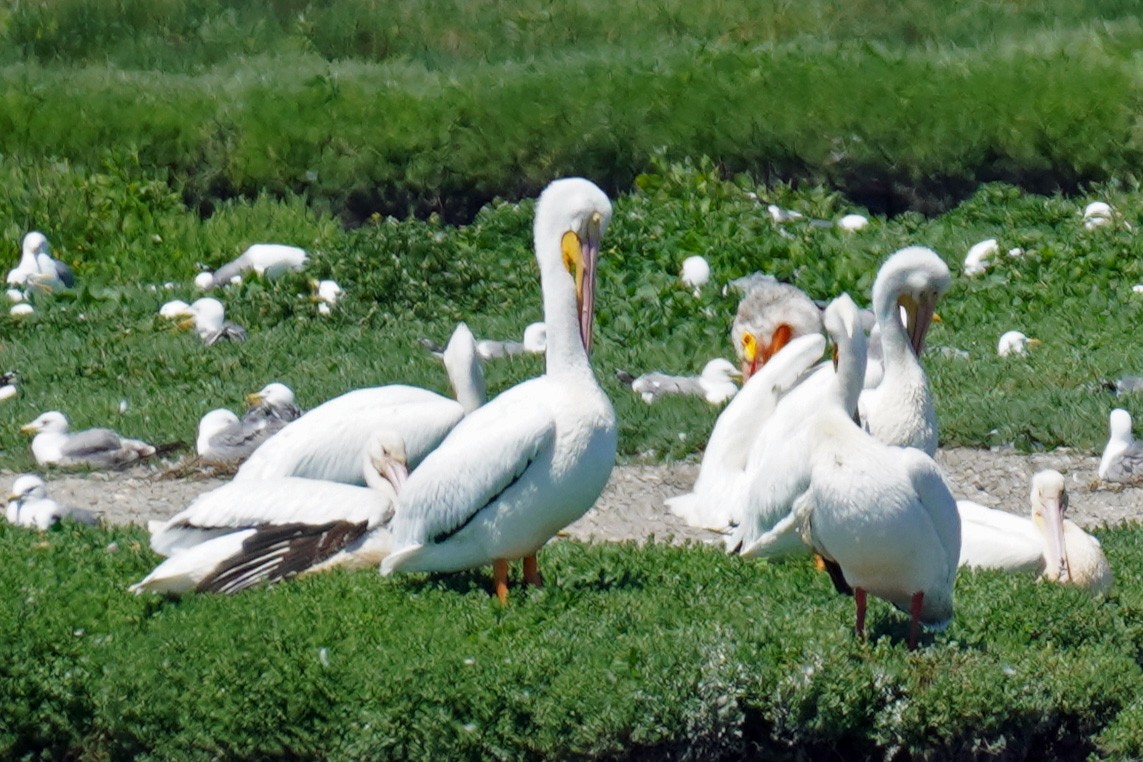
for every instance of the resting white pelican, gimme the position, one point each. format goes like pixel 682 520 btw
pixel 30 506
pixel 265 259
pixel 208 318
pixel 1048 544
pixel 326 442
pixel 900 410
pixel 714 500
pixel 52 445
pixel 1015 343
pixel 1122 459
pixel 769 315
pixel 37 269
pixel 883 514
pixel 715 384
pixel 249 532
pixel 534 459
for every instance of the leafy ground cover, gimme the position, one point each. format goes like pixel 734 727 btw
pixel 629 652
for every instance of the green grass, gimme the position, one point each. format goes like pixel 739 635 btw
pixel 628 652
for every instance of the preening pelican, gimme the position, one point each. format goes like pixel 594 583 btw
pixel 769 315
pixel 535 458
pixel 208 318
pixel 1122 459
pixel 1015 343
pixel 264 259
pixel 1048 544
pixel 37 269
pixel 883 514
pixel 326 443
pixel 30 506
pixel 715 384
pixel 249 532
pixel 900 410
pixel 52 445
pixel 713 501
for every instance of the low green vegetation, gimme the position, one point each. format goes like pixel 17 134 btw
pixel 628 652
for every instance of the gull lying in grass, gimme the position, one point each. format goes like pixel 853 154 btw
pixel 1014 343
pixel 30 506
pixel 224 438
pixel 175 309
pixel 695 273
pixel 9 385
pixel 851 223
pixel 37 269
pixel 1122 459
pixel 979 256
pixel 715 384
pixel 53 445
pixel 1047 544
pixel 208 319
pixel 250 532
pixel 535 342
pixel 1097 214
pixel 269 260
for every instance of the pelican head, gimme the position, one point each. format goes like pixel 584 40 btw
pixel 1049 503
pixel 274 394
pixel 52 421
pixel 27 486
pixel 575 212
pixel 769 316
pixel 210 425
pixel 913 278
pixel 385 456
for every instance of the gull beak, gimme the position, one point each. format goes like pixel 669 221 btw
pixel 1034 342
pixel 13 497
pixel 253 398
pixel 29 428
pixel 185 324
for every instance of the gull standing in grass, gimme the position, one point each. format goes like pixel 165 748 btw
pixel 715 384
pixel 268 260
pixel 1048 544
pixel 326 442
pixel 1122 459
pixel 250 532
pixel 884 515
pixel 208 319
pixel 537 457
pixel 30 506
pixel 53 445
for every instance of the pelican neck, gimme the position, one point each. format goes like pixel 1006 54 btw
pixel 565 351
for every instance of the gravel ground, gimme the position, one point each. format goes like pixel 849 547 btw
pixel 631 507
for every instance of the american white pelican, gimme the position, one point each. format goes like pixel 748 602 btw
pixel 9 385
pixel 715 384
pixel 883 514
pixel 30 506
pixel 248 532
pixel 517 470
pixel 1015 343
pixel 979 256
pixel 1048 544
pixel 1122 459
pixel 716 497
pixel 37 269
pixel 208 318
pixel 1096 214
pixel 326 442
pixel 851 223
pixel 52 445
pixel 269 260
pixel 769 315
pixel 695 273
pixel 899 410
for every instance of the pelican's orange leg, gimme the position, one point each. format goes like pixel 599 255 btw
pixel 532 571
pixel 859 598
pixel 915 619
pixel 500 579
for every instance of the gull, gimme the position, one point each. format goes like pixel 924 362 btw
pixel 175 309
pixel 535 342
pixel 696 273
pixel 208 318
pixel 851 223
pixel 273 402
pixel 715 384
pixel 37 269
pixel 30 506
pixel 1097 214
pixel 1015 343
pixel 1122 459
pixel 268 260
pixel 9 385
pixel 53 445
pixel 977 259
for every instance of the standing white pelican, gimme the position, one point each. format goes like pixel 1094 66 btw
pixel 1122 459
pixel 883 514
pixel 265 259
pixel 30 506
pixel 53 445
pixel 715 384
pixel 1048 544
pixel 249 532
pixel 900 410
pixel 326 442
pixel 769 315
pixel 535 459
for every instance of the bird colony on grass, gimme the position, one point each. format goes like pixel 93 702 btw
pixel 819 452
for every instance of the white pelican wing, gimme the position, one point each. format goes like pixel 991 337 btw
pixel 995 539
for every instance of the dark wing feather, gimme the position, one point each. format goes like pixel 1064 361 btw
pixel 276 552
